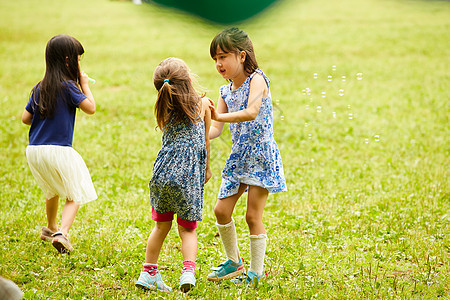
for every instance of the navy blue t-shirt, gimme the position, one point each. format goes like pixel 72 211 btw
pixel 57 130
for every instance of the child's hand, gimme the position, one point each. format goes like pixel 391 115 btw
pixel 208 175
pixel 84 78
pixel 211 104
pixel 214 114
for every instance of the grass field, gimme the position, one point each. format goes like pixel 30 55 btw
pixel 367 215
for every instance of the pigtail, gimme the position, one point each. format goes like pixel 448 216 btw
pixel 164 105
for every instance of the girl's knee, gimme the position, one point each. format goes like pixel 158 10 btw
pixel 220 212
pixel 163 226
pixel 183 229
pixel 252 220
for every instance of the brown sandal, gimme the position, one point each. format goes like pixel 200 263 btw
pixel 61 242
pixel 46 234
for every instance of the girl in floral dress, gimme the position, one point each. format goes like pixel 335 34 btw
pixel 255 163
pixel 180 171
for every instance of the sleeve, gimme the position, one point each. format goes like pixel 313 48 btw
pixel 30 105
pixel 75 96
pixel 223 91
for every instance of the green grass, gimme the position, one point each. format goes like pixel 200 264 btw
pixel 365 217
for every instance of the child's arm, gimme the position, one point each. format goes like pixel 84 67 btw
pixel 258 90
pixel 217 127
pixel 27 117
pixel 88 104
pixel 207 119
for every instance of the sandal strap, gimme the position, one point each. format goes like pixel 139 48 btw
pixel 58 233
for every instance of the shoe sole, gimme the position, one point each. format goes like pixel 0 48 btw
pixel 186 287
pixel 146 287
pixel 228 276
pixel 251 282
pixel 61 247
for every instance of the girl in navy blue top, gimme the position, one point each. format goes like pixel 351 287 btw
pixel 57 167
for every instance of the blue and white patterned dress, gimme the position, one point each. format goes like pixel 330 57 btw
pixel 178 177
pixel 255 158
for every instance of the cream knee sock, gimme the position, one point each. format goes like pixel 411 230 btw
pixel 229 240
pixel 257 253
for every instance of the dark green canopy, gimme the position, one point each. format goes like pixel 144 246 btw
pixel 221 12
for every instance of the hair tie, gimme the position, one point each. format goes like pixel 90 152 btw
pixel 166 80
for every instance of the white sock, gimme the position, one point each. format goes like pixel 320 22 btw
pixel 257 253
pixel 229 240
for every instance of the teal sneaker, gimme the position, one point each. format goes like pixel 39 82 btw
pixel 247 278
pixel 226 270
pixel 149 282
pixel 187 282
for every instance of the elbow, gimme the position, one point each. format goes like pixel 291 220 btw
pixel 26 119
pixel 252 116
pixel 90 110
pixel 214 134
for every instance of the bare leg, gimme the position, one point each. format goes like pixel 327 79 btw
pixel 51 206
pixel 68 216
pixel 224 207
pixel 188 243
pixel 257 197
pixel 156 240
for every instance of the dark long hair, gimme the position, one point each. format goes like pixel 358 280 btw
pixel 177 97
pixel 61 58
pixel 235 40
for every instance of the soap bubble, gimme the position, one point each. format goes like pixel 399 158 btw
pixel 334 114
pixel 282 118
pixel 350 116
pixel 330 78
pixel 341 92
pixel 376 137
pixel 349 106
pixel 324 94
pixel 344 78
pixel 333 68
pixel 307 106
pixel 315 75
pixel 306 124
pixel 308 91
pixel 319 109
pixel 366 141
pixel 310 136
pixel 359 76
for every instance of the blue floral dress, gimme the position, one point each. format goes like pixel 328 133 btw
pixel 178 177
pixel 255 158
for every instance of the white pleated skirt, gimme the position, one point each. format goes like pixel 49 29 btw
pixel 61 171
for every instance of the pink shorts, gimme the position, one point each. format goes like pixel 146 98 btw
pixel 168 216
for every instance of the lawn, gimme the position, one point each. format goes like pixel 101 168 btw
pixel 361 117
